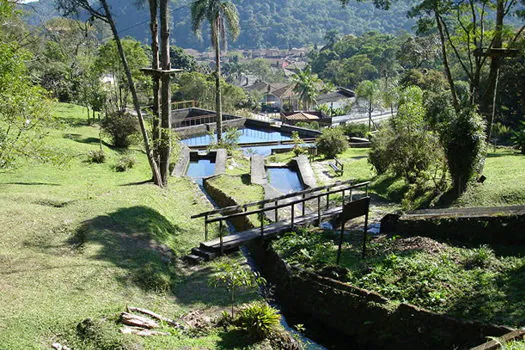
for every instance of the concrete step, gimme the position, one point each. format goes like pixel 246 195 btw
pixel 206 254
pixel 193 259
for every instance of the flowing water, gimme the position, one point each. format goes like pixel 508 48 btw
pixel 285 179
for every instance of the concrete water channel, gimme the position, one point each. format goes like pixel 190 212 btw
pixel 284 179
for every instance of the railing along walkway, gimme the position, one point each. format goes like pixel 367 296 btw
pixel 317 216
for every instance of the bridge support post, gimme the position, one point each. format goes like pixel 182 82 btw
pixel 293 214
pixel 340 243
pixel 220 238
pixel 365 231
pixel 262 224
pixel 319 211
pixel 302 203
pixel 206 227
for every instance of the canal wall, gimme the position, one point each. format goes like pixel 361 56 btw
pixel 370 320
pixel 494 225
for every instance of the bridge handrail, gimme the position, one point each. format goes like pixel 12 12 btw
pixel 294 194
pixel 277 206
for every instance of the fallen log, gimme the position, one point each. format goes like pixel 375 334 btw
pixel 156 316
pixel 139 321
pixel 141 331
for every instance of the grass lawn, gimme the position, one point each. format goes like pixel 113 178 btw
pixel 80 240
pixel 485 284
pixel 505 184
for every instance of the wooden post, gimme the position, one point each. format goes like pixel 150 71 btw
pixel 343 197
pixel 318 210
pixel 340 243
pixel 220 238
pixel 206 227
pixel 293 214
pixel 276 212
pixel 262 223
pixel 302 203
pixel 365 230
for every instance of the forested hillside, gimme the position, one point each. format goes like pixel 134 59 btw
pixel 268 23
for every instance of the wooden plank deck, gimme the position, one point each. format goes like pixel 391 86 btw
pixel 239 238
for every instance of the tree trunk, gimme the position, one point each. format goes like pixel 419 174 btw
pixel 488 99
pixel 218 97
pixel 165 94
pixel 370 114
pixel 455 102
pixel 149 153
pixel 153 10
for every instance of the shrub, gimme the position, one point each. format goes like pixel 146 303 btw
pixel 120 126
pixel 259 319
pixel 331 142
pixel 96 156
pixel 229 141
pixel 518 138
pixel 124 163
pixel 355 130
pixel 297 144
pixel 379 155
pixel 464 139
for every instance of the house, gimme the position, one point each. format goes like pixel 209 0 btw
pixel 275 95
pixel 336 99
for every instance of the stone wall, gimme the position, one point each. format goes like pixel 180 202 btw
pixel 497 225
pixel 367 318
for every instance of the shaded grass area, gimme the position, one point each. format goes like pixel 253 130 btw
pixel 468 283
pixel 82 241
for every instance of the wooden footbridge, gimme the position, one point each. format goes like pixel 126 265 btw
pixel 311 206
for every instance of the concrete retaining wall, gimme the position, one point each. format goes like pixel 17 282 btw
pixel 305 171
pixel 367 318
pixel 497 225
pixel 182 162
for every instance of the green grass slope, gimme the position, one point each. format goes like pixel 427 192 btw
pixel 81 240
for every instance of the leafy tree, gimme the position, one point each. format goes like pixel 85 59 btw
pixel 331 142
pixel 200 87
pixel 306 84
pixel 220 15
pixel 464 139
pixel 108 63
pixel 233 277
pixel 66 54
pixel 369 91
pixel 100 10
pixel 24 108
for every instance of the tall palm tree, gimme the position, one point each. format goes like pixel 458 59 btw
pixel 223 17
pixel 306 85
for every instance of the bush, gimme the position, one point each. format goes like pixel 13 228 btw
pixel 464 139
pixel 331 142
pixel 96 156
pixel 259 319
pixel 518 138
pixel 229 141
pixel 355 130
pixel 120 126
pixel 125 163
pixel 379 155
